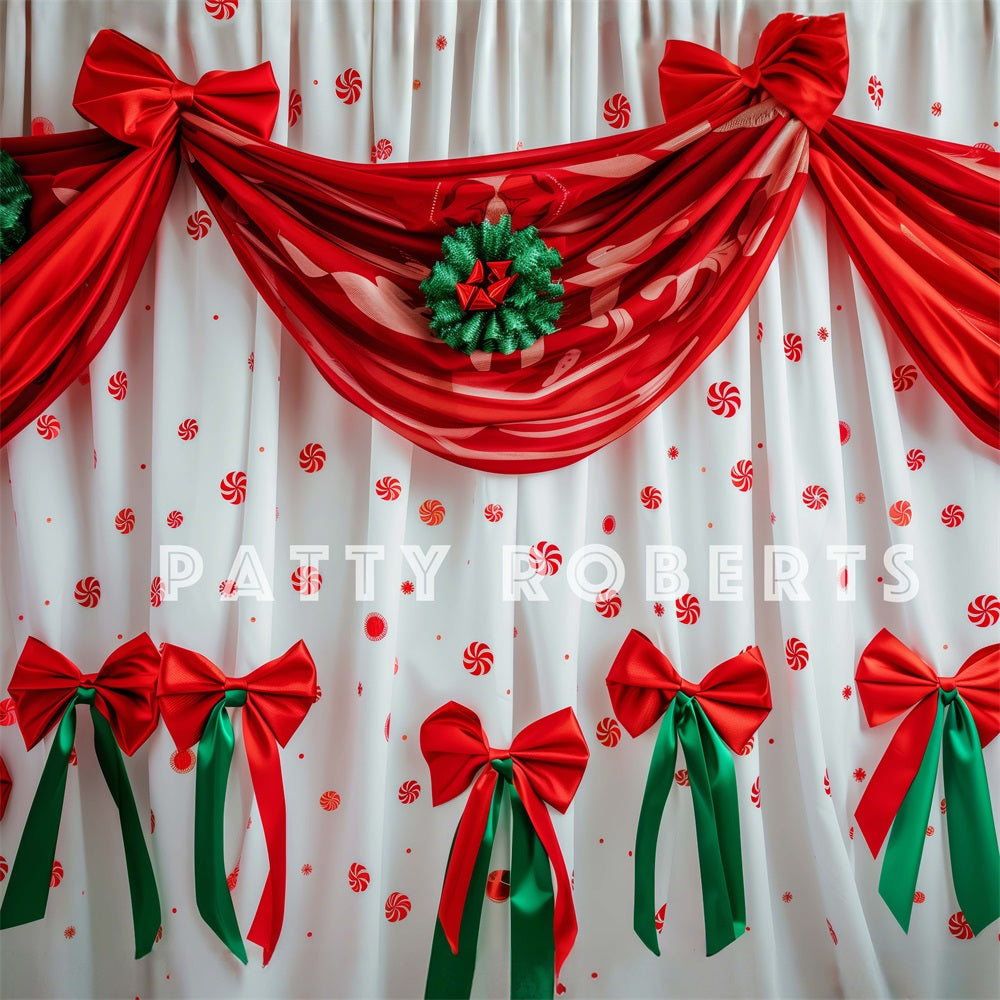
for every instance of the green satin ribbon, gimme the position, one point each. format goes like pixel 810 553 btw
pixel 717 825
pixel 532 900
pixel 972 835
pixel 215 754
pixel 28 888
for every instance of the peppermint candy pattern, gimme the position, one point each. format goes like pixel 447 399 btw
pixel 307 580
pixel 609 732
pixel 959 927
pixel 875 91
pixel 198 224
pixel 312 458
pixel 477 659
pixel 8 712
pixel 397 907
pixel 608 604
pixel 915 459
pixel 125 521
pixel 432 512
pixel 87 592
pixel 687 609
pixel 187 430
pixel 222 10
pixel 156 592
pixel 175 519
pixel 329 801
pixel 741 475
pixel 493 512
pixel 47 426
pixel 723 399
pixel 57 874
pixel 359 879
pixel 118 385
pixel 409 792
pixel 349 85
pixel 545 558
pixel 294 107
pixel 233 487
pixel 388 488
pixel 382 150
pixel 792 346
pixel 984 610
pixel 952 515
pixel 904 377
pixel 617 111
pixel 650 497
pixel 815 497
pixel 901 513
pixel 796 654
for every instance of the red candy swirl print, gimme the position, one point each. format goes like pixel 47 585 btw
pixel 233 487
pixel 608 732
pixel 478 659
pixel 545 558
pixel 87 592
pixel 723 399
pixel 312 458
pixel 608 604
pixel 349 85
pixel 432 512
pixel 388 488
pixel 397 907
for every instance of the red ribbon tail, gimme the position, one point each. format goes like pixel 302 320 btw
pixel 895 773
pixel 468 837
pixel 564 925
pixel 265 773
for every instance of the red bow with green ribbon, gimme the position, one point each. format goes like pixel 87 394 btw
pixel 544 764
pixel 194 695
pixel 46 688
pixel 948 717
pixel 708 720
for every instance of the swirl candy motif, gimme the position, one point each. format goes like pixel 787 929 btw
pixel 233 487
pixel 723 399
pixel 349 85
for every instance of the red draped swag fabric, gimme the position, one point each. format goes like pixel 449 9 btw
pixel 665 235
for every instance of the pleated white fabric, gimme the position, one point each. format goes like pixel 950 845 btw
pixel 814 365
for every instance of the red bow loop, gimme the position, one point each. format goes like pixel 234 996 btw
pixel 279 693
pixel 802 62
pixel 131 93
pixel 892 679
pixel 455 747
pixel 45 681
pixel 735 695
pixel 551 753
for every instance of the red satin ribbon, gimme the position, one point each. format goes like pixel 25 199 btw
pixel 892 679
pixel 549 757
pixel 735 695
pixel 279 695
pixel 6 784
pixel 132 94
pixel 802 62
pixel 45 681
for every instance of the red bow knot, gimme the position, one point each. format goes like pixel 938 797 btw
pixel 891 679
pixel 132 94
pixel 549 758
pixel 735 695
pixel 45 681
pixel 802 62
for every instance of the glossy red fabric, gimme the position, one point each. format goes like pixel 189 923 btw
pixel 93 223
pixel 44 682
pixel 6 784
pixel 735 695
pixel 892 679
pixel 665 235
pixel 279 694
pixel 549 757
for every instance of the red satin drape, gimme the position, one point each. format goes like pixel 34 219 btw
pixel 665 235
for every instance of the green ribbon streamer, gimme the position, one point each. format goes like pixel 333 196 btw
pixel 972 835
pixel 28 888
pixel 532 899
pixel 717 825
pixel 215 754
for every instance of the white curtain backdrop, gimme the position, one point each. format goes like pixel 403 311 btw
pixel 451 78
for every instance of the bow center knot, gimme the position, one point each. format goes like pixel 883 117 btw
pixel 750 75
pixel 86 692
pixel 948 690
pixel 236 691
pixel 689 688
pixel 502 763
pixel 182 94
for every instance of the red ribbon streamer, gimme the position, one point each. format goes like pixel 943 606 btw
pixel 45 681
pixel 279 694
pixel 549 757
pixel 6 784
pixel 735 695
pixel 892 679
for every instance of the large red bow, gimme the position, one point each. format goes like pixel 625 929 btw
pixel 132 94
pixel 548 759
pixel 45 681
pixel 278 696
pixel 892 679
pixel 802 62
pixel 735 695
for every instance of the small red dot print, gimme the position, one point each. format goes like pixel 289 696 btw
pixel 253 620
pixel 593 975
pixel 672 452
pixel 930 831
pixel 20 618
pixel 174 910
pixel 441 43
pixel 143 466
pixel 406 587
pixel 771 740
pixel 302 756
pixel 47 603
pixel 601 841
pixel 69 933
pixel 416 84
pixel 846 692
pixel 786 897
pixel 839 308
pixel 878 579
pixel 408 850
pixel 216 316
pixel 306 869
pixel 945 646
pixel 148 308
pixel 309 934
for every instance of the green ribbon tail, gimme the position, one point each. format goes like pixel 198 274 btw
pixel 450 975
pixel 909 830
pixel 532 900
pixel 141 880
pixel 28 885
pixel 972 833
pixel 215 753
pixel 717 825
pixel 654 799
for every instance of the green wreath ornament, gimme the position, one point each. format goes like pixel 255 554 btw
pixel 493 290
pixel 15 201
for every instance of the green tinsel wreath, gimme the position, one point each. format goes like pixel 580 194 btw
pixel 526 308
pixel 15 199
